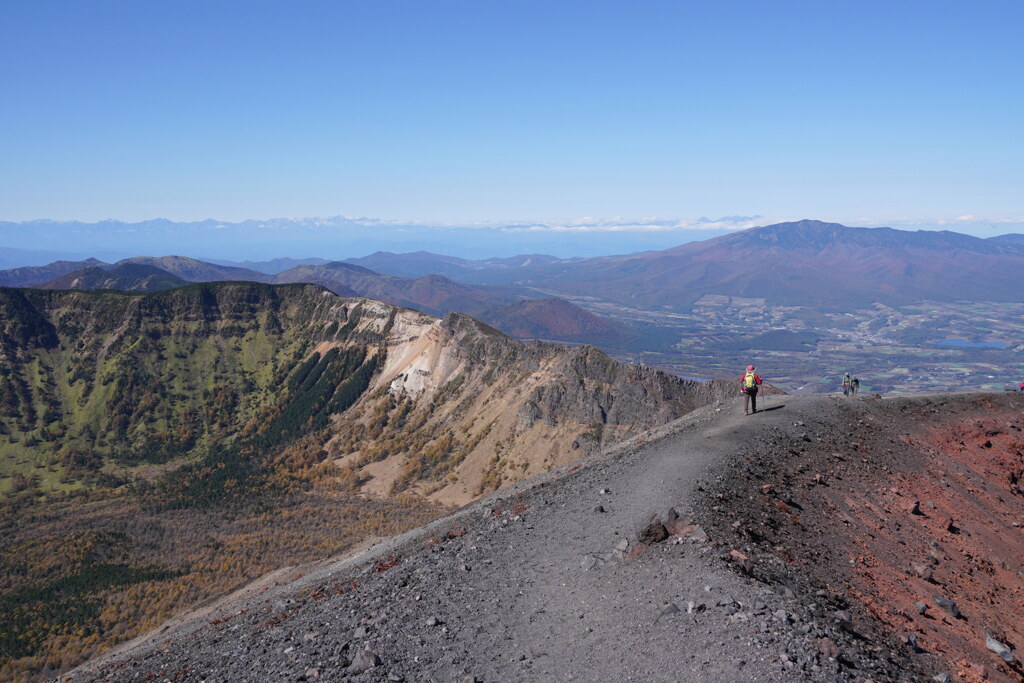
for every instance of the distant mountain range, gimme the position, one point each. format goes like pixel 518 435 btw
pixel 807 263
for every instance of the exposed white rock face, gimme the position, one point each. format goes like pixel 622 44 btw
pixel 418 365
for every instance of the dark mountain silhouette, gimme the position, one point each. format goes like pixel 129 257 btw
pixel 31 276
pixel 1011 240
pixel 809 263
pixel 129 277
pixel 432 294
pixel 194 270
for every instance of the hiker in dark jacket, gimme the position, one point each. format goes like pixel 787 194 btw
pixel 749 382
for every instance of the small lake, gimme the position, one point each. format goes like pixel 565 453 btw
pixel 966 344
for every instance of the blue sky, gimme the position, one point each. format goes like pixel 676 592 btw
pixel 867 113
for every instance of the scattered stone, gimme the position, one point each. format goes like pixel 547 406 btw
pixel 670 516
pixel 1001 650
pixel 951 527
pixel 587 562
pixel 636 550
pixel 923 571
pixel 921 607
pixel 680 528
pixel 930 505
pixel 942 678
pixel 622 545
pixel 312 635
pixel 828 648
pixel 359 632
pixel 312 673
pixel 364 661
pixel 599 509
pixel 434 621
pixel 739 663
pixel 911 640
pixel 604 492
pixel 947 605
pixel 471 679
pixel 741 560
pixel 654 532
pixel 395 678
pixel 844 620
pixel 915 509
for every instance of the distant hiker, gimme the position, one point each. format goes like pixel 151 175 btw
pixel 846 384
pixel 854 386
pixel 1021 387
pixel 748 385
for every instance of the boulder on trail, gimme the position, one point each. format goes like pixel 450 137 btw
pixel 654 532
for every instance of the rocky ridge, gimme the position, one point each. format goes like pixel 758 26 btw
pixel 709 549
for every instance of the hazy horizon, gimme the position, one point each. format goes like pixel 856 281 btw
pixel 339 238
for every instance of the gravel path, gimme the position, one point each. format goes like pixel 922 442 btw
pixel 546 582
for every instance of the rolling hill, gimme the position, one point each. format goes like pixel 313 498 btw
pixel 128 277
pixel 32 276
pixel 194 270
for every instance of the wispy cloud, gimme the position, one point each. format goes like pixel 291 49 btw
pixel 641 225
pixel 969 223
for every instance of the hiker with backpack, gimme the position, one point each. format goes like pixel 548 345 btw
pixel 847 382
pixel 749 383
pixel 854 386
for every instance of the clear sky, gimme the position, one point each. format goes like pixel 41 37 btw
pixel 867 113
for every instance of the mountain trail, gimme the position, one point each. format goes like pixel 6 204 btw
pixel 585 574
